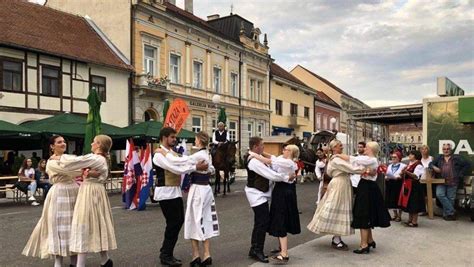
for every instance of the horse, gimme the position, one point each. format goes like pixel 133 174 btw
pixel 224 160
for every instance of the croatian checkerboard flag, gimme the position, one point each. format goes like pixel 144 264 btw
pixel 145 181
pixel 132 169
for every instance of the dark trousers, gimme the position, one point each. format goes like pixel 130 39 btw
pixel 260 226
pixel 174 214
pixel 45 187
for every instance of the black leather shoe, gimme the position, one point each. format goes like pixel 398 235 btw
pixel 196 262
pixel 365 250
pixel 170 262
pixel 258 255
pixel 109 263
pixel 177 260
pixel 207 262
pixel 372 244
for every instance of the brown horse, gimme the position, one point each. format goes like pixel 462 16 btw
pixel 224 160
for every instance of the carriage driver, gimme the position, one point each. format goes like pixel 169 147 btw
pixel 219 137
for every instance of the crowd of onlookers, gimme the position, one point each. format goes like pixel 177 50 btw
pixel 31 177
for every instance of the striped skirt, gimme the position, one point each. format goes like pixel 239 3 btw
pixel 200 221
pixel 334 212
pixel 52 232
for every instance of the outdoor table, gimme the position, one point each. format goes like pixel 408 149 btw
pixel 9 177
pixel 429 192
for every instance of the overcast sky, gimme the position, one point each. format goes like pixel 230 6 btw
pixel 382 52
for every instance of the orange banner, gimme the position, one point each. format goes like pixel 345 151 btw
pixel 177 114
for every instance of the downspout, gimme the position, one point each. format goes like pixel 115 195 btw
pixel 132 74
pixel 240 104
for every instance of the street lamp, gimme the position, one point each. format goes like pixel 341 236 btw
pixel 216 99
pixel 333 122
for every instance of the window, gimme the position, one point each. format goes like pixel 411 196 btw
pixel 11 75
pixel 197 124
pixel 318 121
pixel 175 63
pixel 252 90
pixel 214 125
pixel 259 91
pixel 98 84
pixel 306 112
pixel 233 84
pixel 325 122
pixel 260 130
pixel 293 109
pixel 197 81
pixel 278 107
pixel 250 129
pixel 392 138
pixel 398 138
pixel 217 80
pixel 50 81
pixel 419 138
pixel 232 130
pixel 149 60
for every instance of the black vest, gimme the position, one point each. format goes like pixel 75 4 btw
pixel 221 137
pixel 256 181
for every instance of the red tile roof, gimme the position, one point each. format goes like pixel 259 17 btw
pixel 326 99
pixel 276 70
pixel 327 82
pixel 34 27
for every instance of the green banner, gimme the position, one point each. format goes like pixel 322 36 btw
pixel 443 126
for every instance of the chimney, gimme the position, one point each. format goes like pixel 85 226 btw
pixel 212 17
pixel 188 5
pixel 173 2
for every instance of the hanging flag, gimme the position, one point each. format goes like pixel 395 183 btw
pixel 177 114
pixel 138 171
pixel 129 181
pixel 146 179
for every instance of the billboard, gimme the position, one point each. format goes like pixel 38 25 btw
pixel 446 87
pixel 443 126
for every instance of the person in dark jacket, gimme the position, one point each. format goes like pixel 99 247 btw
pixel 452 168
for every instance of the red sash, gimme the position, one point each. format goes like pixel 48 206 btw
pixel 407 186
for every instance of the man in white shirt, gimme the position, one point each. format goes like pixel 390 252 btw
pixel 168 194
pixel 258 192
pixel 355 178
pixel 219 137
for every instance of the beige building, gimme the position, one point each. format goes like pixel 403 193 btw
pixel 46 68
pixel 179 55
pixel 407 134
pixel 344 100
pixel 292 104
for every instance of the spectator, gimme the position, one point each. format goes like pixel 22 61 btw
pixel 393 185
pixel 411 196
pixel 35 159
pixel 42 178
pixel 26 180
pixel 426 159
pixel 451 168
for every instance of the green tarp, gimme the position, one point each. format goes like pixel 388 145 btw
pixel 71 125
pixel 12 130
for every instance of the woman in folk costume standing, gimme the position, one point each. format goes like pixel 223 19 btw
pixel 200 223
pixel 334 212
pixel 52 232
pixel 284 216
pixel 393 185
pixel 92 228
pixel 369 208
pixel 412 199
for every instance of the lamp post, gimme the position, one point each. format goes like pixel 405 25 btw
pixel 216 99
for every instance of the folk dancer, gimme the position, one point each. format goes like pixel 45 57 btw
pixel 168 193
pixel 258 192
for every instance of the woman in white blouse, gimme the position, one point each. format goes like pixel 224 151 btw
pixel 412 199
pixel 393 185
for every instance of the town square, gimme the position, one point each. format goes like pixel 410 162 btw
pixel 236 133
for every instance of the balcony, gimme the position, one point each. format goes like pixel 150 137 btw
pixel 296 121
pixel 147 86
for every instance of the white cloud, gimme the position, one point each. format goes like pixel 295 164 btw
pixel 378 51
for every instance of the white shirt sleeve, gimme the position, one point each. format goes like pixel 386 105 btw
pixel 317 169
pixel 227 136
pixel 214 141
pixel 162 162
pixel 282 163
pixel 419 171
pixel 173 159
pixel 264 171
pixel 362 160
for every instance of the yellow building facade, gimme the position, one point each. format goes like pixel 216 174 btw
pixel 292 104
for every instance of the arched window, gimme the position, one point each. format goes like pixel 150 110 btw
pixel 150 114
